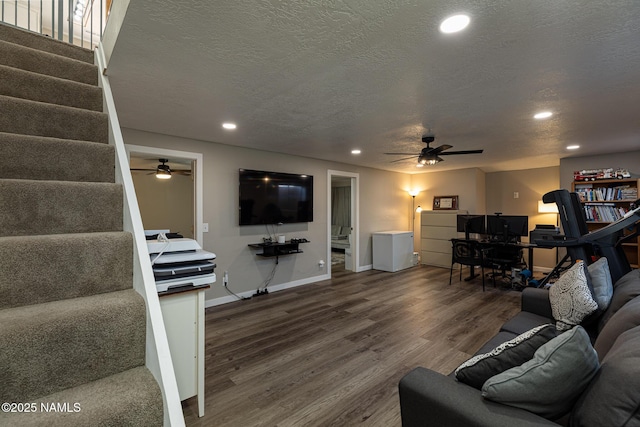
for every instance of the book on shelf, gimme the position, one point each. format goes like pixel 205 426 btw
pixel 588 193
pixel 604 212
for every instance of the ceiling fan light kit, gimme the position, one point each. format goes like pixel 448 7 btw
pixel 431 156
pixel 163 171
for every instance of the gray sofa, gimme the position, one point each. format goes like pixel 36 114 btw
pixel 611 398
pixel 340 237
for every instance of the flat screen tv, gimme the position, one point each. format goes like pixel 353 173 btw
pixel 275 197
pixel 470 223
pixel 507 227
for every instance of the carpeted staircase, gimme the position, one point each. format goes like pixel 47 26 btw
pixel 72 329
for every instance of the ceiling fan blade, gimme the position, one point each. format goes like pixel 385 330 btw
pixel 403 159
pixel 134 169
pixel 462 152
pixel 401 154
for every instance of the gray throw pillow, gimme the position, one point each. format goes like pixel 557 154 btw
pixel 625 289
pixel 570 298
pixel 515 352
pixel 550 383
pixel 601 281
pixel 612 398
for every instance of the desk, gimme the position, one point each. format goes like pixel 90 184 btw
pixel 488 244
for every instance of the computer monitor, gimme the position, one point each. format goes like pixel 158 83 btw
pixel 507 227
pixel 470 223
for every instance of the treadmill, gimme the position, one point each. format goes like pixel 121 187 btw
pixel 581 244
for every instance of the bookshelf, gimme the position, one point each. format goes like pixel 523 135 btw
pixel 605 201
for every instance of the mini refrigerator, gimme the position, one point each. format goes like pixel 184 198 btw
pixel 392 250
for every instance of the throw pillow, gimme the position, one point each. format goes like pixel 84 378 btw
pixel 570 298
pixel 601 281
pixel 612 398
pixel 515 352
pixel 550 383
pixel 625 289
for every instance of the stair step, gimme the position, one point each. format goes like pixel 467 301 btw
pixel 130 398
pixel 38 61
pixel 30 207
pixel 47 348
pixel 26 117
pixel 18 83
pixel 39 269
pixel 37 157
pixel 39 42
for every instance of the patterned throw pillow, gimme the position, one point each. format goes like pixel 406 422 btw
pixel 515 352
pixel 570 297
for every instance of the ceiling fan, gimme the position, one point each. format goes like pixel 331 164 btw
pixel 163 171
pixel 431 156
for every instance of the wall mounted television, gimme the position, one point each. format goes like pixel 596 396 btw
pixel 275 197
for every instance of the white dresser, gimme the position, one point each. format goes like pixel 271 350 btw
pixel 437 228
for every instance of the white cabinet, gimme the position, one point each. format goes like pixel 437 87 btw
pixel 392 250
pixel 183 315
pixel 437 228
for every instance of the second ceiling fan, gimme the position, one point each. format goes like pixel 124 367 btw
pixel 431 155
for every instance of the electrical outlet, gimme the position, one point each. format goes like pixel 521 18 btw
pixel 205 227
pixel 516 195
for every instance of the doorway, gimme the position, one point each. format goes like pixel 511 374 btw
pixel 343 227
pixel 181 161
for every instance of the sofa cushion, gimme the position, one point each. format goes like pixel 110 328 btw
pixel 514 352
pixel 628 317
pixel 549 383
pixel 612 398
pixel 624 290
pixel 524 321
pixel 570 297
pixel 601 282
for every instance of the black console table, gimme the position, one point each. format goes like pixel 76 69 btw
pixel 276 249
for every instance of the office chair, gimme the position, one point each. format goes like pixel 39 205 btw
pixel 467 252
pixel 503 258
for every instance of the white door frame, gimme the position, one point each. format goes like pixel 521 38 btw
pixel 355 218
pixel 196 171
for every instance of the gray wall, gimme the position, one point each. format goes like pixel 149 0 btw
pixel 383 206
pixel 629 160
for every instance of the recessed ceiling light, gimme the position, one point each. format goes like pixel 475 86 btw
pixel 543 115
pixel 455 23
pixel 229 126
pixel 356 151
pixel 573 147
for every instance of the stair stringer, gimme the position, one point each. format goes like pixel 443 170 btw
pixel 158 355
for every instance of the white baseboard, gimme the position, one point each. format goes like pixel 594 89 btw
pixel 231 298
pixel 364 268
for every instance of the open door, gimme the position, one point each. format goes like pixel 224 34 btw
pixel 343 227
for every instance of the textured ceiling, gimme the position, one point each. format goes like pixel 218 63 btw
pixel 318 78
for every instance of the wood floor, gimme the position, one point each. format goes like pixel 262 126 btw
pixel 332 353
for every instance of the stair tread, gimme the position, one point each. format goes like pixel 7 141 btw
pixel 44 268
pixel 23 116
pixel 34 86
pixel 56 207
pixel 130 398
pixel 39 61
pixel 39 42
pixel 43 158
pixel 52 346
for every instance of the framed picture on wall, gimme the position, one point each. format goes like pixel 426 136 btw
pixel 445 203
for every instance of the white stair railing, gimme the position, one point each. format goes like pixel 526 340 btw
pixel 78 22
pixel 158 355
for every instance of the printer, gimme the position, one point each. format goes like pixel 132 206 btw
pixel 180 263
